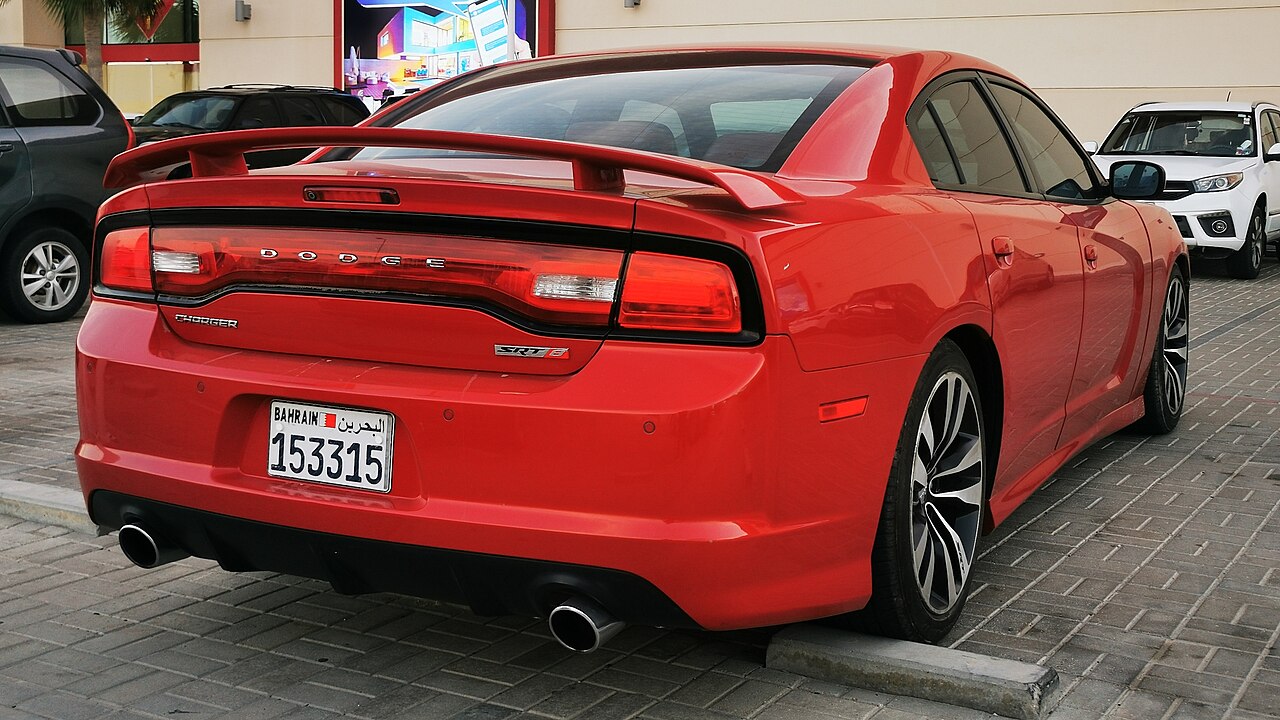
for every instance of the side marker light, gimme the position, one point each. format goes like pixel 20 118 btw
pixel 842 409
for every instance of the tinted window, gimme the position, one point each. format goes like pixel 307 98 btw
pixel 747 116
pixel 36 94
pixel 986 160
pixel 341 112
pixel 258 112
pixel 933 149
pixel 301 111
pixel 1270 129
pixel 205 112
pixel 1212 134
pixel 1061 169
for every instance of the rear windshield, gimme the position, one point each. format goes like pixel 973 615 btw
pixel 747 116
pixel 202 112
pixel 1209 134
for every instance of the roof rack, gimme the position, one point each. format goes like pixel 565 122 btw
pixel 273 86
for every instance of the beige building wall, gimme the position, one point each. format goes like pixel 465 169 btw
pixel 26 22
pixel 1091 59
pixel 284 42
pixel 136 87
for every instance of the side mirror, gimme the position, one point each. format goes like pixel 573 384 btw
pixel 1136 180
pixel 1091 147
pixel 1273 153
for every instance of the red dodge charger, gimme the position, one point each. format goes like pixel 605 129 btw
pixel 710 338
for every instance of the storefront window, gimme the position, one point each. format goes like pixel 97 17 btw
pixel 395 47
pixel 176 21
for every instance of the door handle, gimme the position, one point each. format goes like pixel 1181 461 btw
pixel 1002 248
pixel 1091 256
pixel 5 147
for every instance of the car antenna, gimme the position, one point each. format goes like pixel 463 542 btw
pixel 1228 96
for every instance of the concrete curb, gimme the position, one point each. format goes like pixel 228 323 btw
pixel 1005 687
pixel 45 504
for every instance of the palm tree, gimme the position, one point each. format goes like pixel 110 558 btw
pixel 91 14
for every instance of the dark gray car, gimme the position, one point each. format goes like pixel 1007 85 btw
pixel 58 131
pixel 240 107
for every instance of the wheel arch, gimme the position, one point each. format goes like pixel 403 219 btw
pixel 980 350
pixel 63 218
pixel 1183 261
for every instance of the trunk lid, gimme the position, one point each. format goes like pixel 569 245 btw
pixel 429 271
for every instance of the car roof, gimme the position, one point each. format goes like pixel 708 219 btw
pixel 1205 105
pixel 254 88
pixel 869 54
pixel 62 54
pixel 925 64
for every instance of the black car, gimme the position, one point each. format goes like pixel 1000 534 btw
pixel 242 107
pixel 58 131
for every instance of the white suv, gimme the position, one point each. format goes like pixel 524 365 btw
pixel 1222 161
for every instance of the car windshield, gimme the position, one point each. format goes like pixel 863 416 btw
pixel 202 112
pixel 1208 134
pixel 747 116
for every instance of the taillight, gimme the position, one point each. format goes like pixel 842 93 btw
pixel 125 262
pixel 665 292
pixel 547 283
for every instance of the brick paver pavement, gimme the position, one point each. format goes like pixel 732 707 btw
pixel 1147 573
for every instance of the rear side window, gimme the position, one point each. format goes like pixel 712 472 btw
pixel 340 112
pixel 300 111
pixel 257 112
pixel 934 150
pixel 36 94
pixel 985 159
pixel 1270 129
pixel 1062 171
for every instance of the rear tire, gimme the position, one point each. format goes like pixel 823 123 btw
pixel 1165 394
pixel 43 276
pixel 1246 262
pixel 933 506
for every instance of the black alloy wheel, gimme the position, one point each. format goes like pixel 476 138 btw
pixel 933 506
pixel 1246 262
pixel 1166 391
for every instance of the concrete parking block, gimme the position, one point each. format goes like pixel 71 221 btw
pixel 957 677
pixel 48 504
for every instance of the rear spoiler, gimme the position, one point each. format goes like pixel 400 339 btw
pixel 595 167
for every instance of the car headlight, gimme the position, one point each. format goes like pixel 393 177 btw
pixel 1218 183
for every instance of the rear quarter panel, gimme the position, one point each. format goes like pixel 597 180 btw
pixel 855 274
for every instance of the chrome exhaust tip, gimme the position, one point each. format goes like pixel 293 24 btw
pixel 145 550
pixel 581 625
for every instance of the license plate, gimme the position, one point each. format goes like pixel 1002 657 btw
pixel 331 445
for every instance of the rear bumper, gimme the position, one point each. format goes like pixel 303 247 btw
pixel 701 472
pixel 489 584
